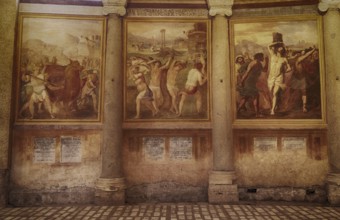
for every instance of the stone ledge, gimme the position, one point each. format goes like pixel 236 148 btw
pixel 109 197
pixel 110 191
pixel 333 178
pixel 287 194
pixel 76 195
pixel 221 177
pixel 166 191
pixel 223 193
pixel 333 188
pixel 221 188
pixel 110 184
pixel 3 187
pixel 333 194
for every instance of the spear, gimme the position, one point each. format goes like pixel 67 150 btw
pixel 35 77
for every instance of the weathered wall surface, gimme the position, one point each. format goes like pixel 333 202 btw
pixel 282 164
pixel 164 166
pixel 48 174
pixel 281 161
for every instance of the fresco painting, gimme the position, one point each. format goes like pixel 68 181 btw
pixel 60 69
pixel 166 70
pixel 277 71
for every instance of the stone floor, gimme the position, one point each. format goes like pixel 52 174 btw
pixel 174 211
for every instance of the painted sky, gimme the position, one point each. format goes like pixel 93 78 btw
pixel 261 33
pixel 152 29
pixel 59 31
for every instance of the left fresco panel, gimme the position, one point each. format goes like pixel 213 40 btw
pixel 60 68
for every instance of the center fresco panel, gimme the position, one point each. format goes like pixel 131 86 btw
pixel 166 70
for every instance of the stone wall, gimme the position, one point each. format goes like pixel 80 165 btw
pixel 49 173
pixel 277 165
pixel 167 166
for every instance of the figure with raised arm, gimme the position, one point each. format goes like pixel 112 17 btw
pixel 277 68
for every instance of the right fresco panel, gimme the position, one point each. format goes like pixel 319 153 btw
pixel 277 70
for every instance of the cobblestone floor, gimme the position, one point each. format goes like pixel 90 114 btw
pixel 178 211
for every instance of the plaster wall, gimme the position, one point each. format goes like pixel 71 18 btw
pixel 35 182
pixel 167 176
pixel 266 164
pixel 269 166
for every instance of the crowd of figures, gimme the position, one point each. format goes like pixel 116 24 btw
pixel 50 90
pixel 281 82
pixel 156 85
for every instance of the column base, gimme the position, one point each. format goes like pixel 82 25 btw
pixel 221 187
pixel 110 191
pixel 3 187
pixel 333 188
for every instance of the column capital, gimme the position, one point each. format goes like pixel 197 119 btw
pixel 324 5
pixel 114 7
pixel 220 7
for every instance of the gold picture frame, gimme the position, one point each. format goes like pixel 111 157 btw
pixel 159 56
pixel 60 69
pixel 278 72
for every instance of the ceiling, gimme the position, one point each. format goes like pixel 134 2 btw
pixel 180 3
pixel 203 3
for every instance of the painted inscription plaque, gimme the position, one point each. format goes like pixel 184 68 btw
pixel 294 143
pixel 181 148
pixel 154 148
pixel 70 149
pixel 265 143
pixel 44 149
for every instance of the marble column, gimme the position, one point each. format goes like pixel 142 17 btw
pixel 221 180
pixel 8 14
pixel 331 20
pixel 110 187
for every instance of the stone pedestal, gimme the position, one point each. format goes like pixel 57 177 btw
pixel 222 188
pixel 3 187
pixel 110 191
pixel 333 188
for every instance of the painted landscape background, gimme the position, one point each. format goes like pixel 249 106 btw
pixel 60 69
pixel 176 47
pixel 299 37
